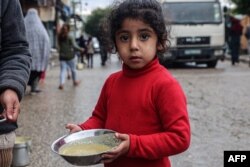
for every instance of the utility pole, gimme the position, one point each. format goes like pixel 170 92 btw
pixel 74 3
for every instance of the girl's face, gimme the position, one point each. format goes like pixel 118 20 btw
pixel 136 43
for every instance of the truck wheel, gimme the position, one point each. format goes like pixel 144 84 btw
pixel 212 64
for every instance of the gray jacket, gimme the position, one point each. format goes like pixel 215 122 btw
pixel 15 59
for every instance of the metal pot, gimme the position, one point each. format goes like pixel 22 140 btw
pixel 21 151
pixel 103 136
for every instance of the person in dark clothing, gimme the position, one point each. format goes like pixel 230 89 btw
pixel 15 64
pixel 104 55
pixel 102 33
pixel 82 43
pixel 235 34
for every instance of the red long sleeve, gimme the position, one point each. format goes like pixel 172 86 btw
pixel 150 106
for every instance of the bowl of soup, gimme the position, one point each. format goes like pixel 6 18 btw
pixel 85 147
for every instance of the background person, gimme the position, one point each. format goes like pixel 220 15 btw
pixel 247 33
pixel 67 44
pixel 82 43
pixel 90 52
pixel 15 61
pixel 102 33
pixel 143 102
pixel 103 54
pixel 235 35
pixel 39 45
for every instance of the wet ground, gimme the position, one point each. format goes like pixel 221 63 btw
pixel 218 104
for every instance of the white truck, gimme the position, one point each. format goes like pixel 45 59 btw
pixel 197 32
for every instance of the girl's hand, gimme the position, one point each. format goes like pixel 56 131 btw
pixel 73 128
pixel 119 150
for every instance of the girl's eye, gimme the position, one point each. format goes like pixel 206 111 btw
pixel 124 38
pixel 144 36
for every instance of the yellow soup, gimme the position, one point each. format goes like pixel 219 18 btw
pixel 21 140
pixel 81 149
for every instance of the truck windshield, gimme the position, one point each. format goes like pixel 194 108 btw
pixel 193 12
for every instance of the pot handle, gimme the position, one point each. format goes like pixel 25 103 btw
pixel 2 120
pixel 29 148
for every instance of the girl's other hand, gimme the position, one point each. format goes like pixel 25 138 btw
pixel 119 150
pixel 73 128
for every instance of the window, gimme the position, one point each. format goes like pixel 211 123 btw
pixel 193 12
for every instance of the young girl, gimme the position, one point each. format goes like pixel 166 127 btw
pixel 143 103
pixel 67 45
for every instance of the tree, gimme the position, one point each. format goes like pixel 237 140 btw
pixel 94 20
pixel 242 6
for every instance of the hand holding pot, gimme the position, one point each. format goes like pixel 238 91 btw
pixel 119 150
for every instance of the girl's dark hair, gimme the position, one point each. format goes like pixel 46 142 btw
pixel 63 34
pixel 148 11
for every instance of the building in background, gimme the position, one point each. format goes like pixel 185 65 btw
pixel 47 13
pixel 52 13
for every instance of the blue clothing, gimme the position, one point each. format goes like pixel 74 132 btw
pixel 64 65
pixel 15 59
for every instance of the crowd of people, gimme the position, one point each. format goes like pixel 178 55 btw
pixel 81 50
pixel 73 53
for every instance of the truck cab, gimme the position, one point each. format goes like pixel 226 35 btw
pixel 197 32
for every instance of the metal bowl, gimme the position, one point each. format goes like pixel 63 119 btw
pixel 93 136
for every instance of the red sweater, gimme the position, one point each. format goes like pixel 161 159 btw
pixel 150 106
